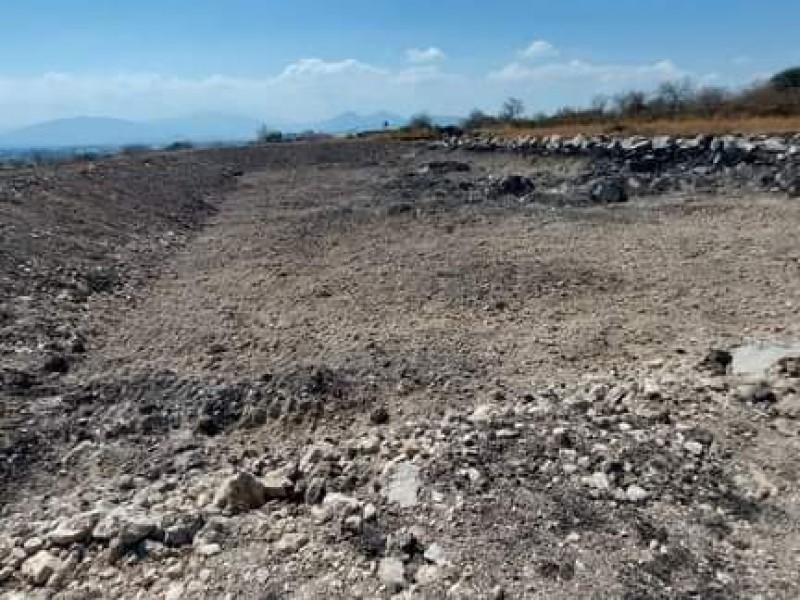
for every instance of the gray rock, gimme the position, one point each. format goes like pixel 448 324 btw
pixel 75 530
pixel 181 529
pixel 277 486
pixel 243 491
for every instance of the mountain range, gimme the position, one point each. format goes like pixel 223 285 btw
pixel 203 128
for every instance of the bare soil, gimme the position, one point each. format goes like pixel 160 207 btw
pixel 169 319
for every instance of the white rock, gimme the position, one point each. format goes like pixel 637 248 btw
pixel 391 572
pixel 695 448
pixel 636 494
pixel 598 481
pixel 208 549
pixel 482 415
pixel 403 485
pixel 435 554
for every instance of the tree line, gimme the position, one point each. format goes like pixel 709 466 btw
pixel 683 99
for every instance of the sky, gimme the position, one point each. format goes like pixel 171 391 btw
pixel 304 60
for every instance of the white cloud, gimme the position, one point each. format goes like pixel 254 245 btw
pixel 539 49
pixel 426 55
pixel 577 70
pixel 311 68
pixel 313 88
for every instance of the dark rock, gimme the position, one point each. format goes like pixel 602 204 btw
pixel 440 167
pixel 56 364
pixel 717 362
pixel 514 185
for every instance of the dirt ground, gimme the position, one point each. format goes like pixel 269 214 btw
pixel 151 306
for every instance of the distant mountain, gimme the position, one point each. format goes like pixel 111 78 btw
pixel 104 131
pixel 351 122
pixel 77 132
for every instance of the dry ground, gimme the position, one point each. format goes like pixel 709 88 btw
pixel 325 259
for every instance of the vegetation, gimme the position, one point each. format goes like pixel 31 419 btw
pixel 267 135
pixel 513 109
pixel 675 101
pixel 420 121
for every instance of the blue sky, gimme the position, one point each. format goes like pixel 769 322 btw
pixel 308 59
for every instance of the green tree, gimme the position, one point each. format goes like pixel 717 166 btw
pixel 787 80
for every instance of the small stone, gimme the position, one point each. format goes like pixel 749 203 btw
pixel 353 523
pixel 40 567
pixel 340 503
pixel 370 512
pixel 428 574
pixel 391 573
pixel 208 549
pixel 695 448
pixel 379 416
pixel 33 545
pixel 482 415
pixel 635 493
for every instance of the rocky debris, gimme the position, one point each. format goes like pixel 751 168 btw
pixel 663 163
pixel 611 449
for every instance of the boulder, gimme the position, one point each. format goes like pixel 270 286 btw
pixel 242 491
pixel 609 191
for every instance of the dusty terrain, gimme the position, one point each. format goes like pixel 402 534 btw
pixel 355 370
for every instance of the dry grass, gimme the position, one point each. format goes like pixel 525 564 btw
pixel 684 127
